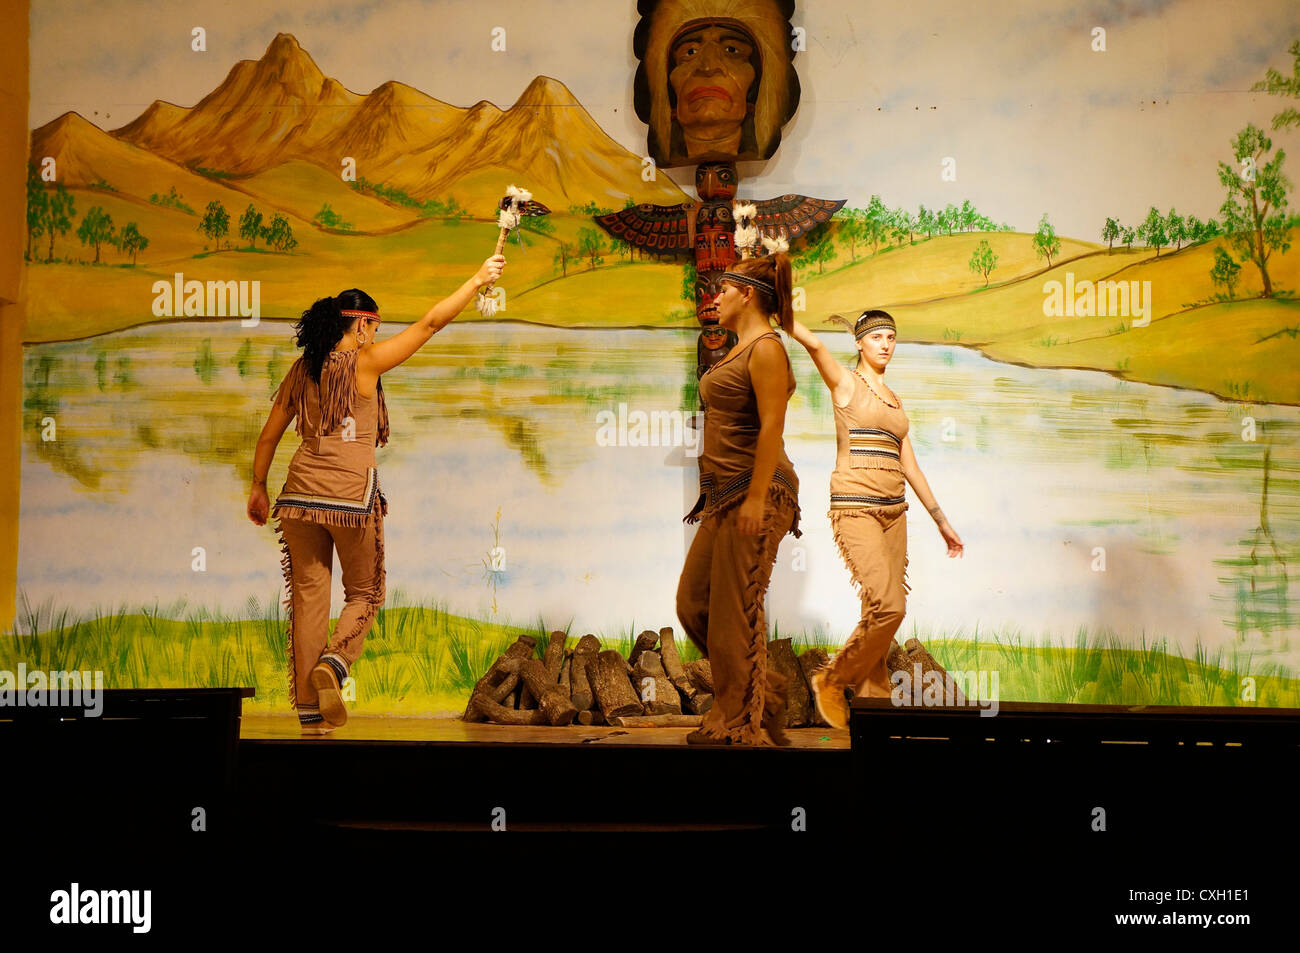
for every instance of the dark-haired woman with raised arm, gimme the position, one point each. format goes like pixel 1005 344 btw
pixel 332 499
pixel 749 500
pixel 868 507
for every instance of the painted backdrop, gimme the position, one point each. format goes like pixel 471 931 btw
pixel 1079 216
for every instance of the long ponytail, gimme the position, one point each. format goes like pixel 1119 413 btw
pixel 774 269
pixel 322 326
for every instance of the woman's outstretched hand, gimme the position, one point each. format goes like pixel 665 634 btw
pixel 955 545
pixel 258 504
pixel 491 270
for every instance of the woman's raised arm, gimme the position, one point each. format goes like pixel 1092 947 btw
pixel 381 356
pixel 832 371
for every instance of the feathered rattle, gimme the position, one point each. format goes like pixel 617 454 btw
pixel 748 234
pixel 516 203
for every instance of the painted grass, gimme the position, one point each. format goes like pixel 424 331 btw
pixel 420 659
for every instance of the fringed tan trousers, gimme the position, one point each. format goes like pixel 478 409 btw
pixel 720 606
pixel 309 554
pixel 874 546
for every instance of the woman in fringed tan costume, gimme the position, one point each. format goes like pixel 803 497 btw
pixel 749 500
pixel 868 507
pixel 332 498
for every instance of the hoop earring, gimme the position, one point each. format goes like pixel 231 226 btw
pixel 361 338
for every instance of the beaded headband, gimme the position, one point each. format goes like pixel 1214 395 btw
pixel 360 314
pixel 739 278
pixel 873 323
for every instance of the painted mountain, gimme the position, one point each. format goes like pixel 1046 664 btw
pixel 282 108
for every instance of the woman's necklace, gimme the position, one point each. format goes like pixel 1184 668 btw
pixel 873 391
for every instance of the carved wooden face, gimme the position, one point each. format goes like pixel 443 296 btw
pixel 712 72
pixel 714 232
pixel 716 181
pixel 716 78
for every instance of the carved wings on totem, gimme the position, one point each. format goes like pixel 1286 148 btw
pixel 663 229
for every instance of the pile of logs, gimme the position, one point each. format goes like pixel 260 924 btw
pixel 587 686
pixel 584 685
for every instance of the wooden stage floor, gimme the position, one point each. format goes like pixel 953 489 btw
pixel 449 729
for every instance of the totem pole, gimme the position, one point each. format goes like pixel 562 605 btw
pixel 716 82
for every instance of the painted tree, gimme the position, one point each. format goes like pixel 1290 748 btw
pixel 925 222
pixel 900 226
pixel 818 250
pixel 131 241
pixel 1176 229
pixel 1254 213
pixel 59 210
pixel 590 246
pixel 1127 234
pixel 1109 232
pixel 37 207
pixel 1045 242
pixel 279 234
pixel 1152 230
pixel 852 231
pixel 1225 272
pixel 983 260
pixel 215 223
pixel 690 279
pixel 565 252
pixel 1194 230
pixel 950 218
pixel 250 225
pixel 874 217
pixel 620 247
pixel 967 215
pixel 96 228
pixel 1275 84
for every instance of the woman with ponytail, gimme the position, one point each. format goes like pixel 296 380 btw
pixel 868 507
pixel 749 500
pixel 332 499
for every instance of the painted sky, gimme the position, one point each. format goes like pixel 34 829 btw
pixel 1036 120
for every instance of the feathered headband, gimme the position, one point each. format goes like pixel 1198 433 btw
pixel 867 322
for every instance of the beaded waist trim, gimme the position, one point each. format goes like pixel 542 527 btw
pixel 845 501
pixel 308 501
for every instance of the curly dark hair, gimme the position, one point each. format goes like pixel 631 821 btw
pixel 322 325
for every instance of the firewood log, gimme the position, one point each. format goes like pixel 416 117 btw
pixel 916 652
pixel 591 717
pixel 644 642
pixel 564 673
pixel 780 655
pixel 509 685
pixel 610 684
pixel 580 685
pixel 701 674
pixel 658 694
pixel 501 715
pixel 522 647
pixel 701 702
pixel 673 663
pixel 552 702
pixel 810 660
pixel 555 656
pixel 658 721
